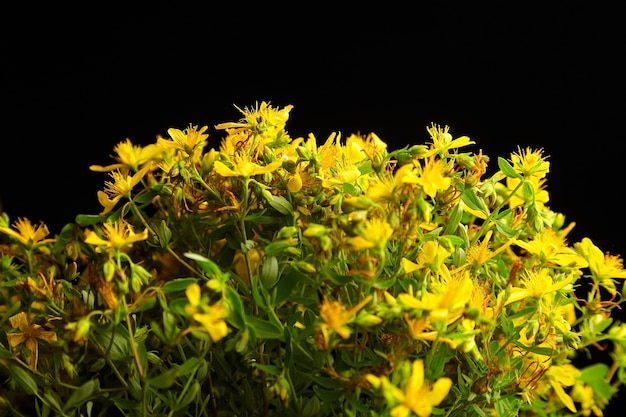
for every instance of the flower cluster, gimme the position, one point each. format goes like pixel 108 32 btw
pixel 271 275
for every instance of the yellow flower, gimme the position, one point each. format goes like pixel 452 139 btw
pixel 603 267
pixel 374 233
pixel 117 235
pixel 27 234
pixel 442 140
pixel 530 163
pixel 121 186
pixel 131 156
pixel 188 141
pixel 479 255
pixel 551 247
pixel 539 196
pixel 433 177
pixel 336 316
pixel 560 376
pixel 259 119
pixel 584 394
pixel 537 284
pixel 418 397
pixel 432 255
pixel 211 317
pixel 28 334
pixel 447 304
pixel 242 166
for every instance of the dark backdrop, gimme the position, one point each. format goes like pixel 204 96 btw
pixel 76 81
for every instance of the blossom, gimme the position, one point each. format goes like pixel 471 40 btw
pixel 442 140
pixel 538 196
pixel 336 316
pixel 117 235
pixel 418 397
pixel 433 177
pixel 243 166
pixel 259 119
pixel 447 303
pixel 187 141
pixel 374 233
pixel 432 255
pixel 29 334
pixel 120 187
pixel 603 267
pixel 538 284
pixel 530 163
pixel 28 234
pixel 130 156
pixel 550 246
pixel 210 316
pixel 560 376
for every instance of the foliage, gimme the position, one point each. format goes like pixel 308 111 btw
pixel 279 276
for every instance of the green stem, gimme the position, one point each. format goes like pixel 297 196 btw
pixel 486 223
pixel 171 251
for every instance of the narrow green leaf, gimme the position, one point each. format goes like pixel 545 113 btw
pixel 177 285
pixel 237 315
pixel 527 190
pixel 505 229
pixel 89 220
pixel 207 265
pixel 507 168
pixel 189 366
pixel 472 201
pixel 190 395
pixel 281 205
pixel 264 329
pixel 164 380
pixel 80 395
pixel 269 272
pixel 454 219
pixel 23 379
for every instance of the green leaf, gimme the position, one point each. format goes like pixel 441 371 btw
pixel 472 201
pixel 189 366
pixel 237 316
pixel 286 284
pixel 264 329
pixel 269 272
pixel 165 380
pixel 89 219
pixel 505 229
pixel 207 265
pixel 527 190
pixel 163 233
pixel 454 218
pixel 191 394
pixel 594 375
pixel 276 248
pixel 281 205
pixel 177 285
pixel 23 379
pixel 507 168
pixel 81 395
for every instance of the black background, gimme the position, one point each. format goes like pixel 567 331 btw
pixel 78 80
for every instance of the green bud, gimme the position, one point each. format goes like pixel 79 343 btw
pixel 287 232
pixel 315 230
pixel 304 267
pixel 109 270
pixel 303 153
pixel 242 343
pixel 290 166
pixel 366 319
pixel 351 204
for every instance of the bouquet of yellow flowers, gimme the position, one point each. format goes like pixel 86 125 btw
pixel 273 275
